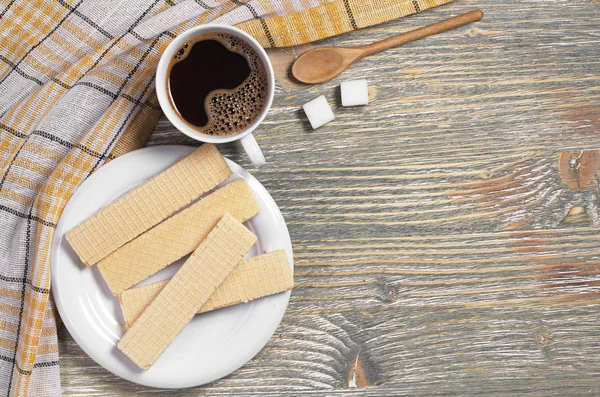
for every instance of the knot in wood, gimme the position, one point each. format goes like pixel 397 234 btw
pixel 574 162
pixel 542 339
pixel 578 168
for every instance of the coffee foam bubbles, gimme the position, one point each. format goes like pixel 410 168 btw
pixel 230 111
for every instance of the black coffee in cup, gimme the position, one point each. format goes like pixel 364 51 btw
pixel 217 84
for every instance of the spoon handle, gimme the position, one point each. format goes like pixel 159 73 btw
pixel 420 33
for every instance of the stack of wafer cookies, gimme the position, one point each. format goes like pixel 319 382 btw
pixel 251 279
pixel 175 237
pixel 137 235
pixel 184 294
pixel 148 204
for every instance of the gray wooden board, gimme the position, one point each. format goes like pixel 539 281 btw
pixel 438 249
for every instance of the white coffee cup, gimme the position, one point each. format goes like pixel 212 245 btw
pixel 245 136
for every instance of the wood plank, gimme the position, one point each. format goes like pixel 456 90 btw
pixel 441 246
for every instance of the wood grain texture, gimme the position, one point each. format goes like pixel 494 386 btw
pixel 440 246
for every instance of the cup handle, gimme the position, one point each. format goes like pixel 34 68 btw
pixel 253 150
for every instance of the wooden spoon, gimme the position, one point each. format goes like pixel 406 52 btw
pixel 324 63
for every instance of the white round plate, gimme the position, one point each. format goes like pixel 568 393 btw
pixel 214 344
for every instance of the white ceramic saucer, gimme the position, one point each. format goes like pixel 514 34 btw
pixel 214 344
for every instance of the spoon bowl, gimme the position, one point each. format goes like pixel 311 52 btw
pixel 324 63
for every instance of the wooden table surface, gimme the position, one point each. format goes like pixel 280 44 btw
pixel 446 236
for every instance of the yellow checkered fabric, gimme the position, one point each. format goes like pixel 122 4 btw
pixel 76 89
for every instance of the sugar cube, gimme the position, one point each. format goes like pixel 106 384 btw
pixel 354 93
pixel 318 112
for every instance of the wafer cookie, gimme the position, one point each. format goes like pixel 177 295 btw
pixel 251 279
pixel 186 292
pixel 176 237
pixel 148 204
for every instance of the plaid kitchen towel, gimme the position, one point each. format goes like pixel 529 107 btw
pixel 76 89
